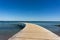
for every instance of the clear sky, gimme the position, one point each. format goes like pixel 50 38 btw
pixel 30 10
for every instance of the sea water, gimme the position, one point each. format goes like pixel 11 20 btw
pixel 9 28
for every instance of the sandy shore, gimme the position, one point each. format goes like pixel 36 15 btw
pixel 34 32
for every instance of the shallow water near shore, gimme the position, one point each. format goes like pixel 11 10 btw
pixel 9 28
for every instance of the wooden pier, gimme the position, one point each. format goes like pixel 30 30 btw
pixel 34 32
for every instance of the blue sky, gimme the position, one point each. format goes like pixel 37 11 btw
pixel 30 10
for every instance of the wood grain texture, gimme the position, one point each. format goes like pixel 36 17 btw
pixel 34 32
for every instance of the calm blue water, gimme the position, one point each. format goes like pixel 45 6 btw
pixel 9 28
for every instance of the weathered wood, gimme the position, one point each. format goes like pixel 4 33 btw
pixel 34 32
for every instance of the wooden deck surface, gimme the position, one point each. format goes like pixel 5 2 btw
pixel 34 32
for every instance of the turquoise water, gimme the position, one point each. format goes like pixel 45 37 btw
pixel 9 28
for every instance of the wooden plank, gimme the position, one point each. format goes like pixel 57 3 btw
pixel 34 32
